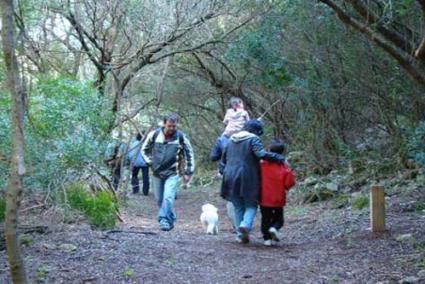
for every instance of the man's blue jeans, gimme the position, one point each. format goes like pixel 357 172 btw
pixel 244 212
pixel 165 194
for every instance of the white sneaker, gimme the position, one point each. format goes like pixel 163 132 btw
pixel 275 235
pixel 268 243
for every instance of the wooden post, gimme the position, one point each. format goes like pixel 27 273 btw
pixel 377 208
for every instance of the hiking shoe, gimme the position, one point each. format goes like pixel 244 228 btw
pixel 242 241
pixel 275 235
pixel 164 226
pixel 268 243
pixel 244 235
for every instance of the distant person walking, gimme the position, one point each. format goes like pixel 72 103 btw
pixel 137 164
pixel 113 159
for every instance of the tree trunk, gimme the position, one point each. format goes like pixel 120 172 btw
pixel 17 167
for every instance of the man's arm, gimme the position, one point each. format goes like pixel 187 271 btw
pixel 261 153
pixel 147 147
pixel 189 156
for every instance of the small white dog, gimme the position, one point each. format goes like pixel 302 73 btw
pixel 209 218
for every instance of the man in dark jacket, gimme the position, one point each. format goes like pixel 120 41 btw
pixel 241 177
pixel 164 150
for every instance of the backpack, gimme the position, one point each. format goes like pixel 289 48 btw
pixel 134 157
pixel 113 153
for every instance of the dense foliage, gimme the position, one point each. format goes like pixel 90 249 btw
pixel 65 125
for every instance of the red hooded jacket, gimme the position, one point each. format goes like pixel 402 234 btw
pixel 276 179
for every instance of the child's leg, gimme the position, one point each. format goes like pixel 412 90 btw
pixel 266 222
pixel 278 218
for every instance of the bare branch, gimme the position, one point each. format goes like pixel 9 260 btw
pixel 371 18
pixel 404 60
pixel 135 112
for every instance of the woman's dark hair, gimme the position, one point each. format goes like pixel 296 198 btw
pixel 254 126
pixel 277 146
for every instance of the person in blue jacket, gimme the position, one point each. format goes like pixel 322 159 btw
pixel 137 164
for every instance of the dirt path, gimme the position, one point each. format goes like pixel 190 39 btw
pixel 319 246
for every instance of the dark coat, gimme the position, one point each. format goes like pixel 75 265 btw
pixel 241 158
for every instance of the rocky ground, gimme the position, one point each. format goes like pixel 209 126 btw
pixel 321 244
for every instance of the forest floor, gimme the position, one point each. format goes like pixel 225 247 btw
pixel 319 245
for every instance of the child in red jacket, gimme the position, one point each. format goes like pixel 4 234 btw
pixel 276 179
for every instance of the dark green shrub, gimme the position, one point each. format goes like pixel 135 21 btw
pixel 360 202
pixel 2 208
pixel 99 208
pixel 341 201
pixel 420 206
pixel 77 196
pixel 25 240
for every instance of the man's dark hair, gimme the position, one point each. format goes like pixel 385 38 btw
pixel 277 146
pixel 172 116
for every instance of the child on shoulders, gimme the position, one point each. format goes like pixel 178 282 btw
pixel 235 117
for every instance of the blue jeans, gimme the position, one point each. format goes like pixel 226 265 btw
pixel 244 212
pixel 165 194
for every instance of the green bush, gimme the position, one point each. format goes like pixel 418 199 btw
pixel 77 196
pixel 360 202
pixel 2 208
pixel 99 208
pixel 341 201
pixel 66 128
pixel 25 240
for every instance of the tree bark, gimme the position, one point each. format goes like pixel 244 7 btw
pixel 17 166
pixel 420 51
pixel 406 61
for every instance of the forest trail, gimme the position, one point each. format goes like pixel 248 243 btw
pixel 319 245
